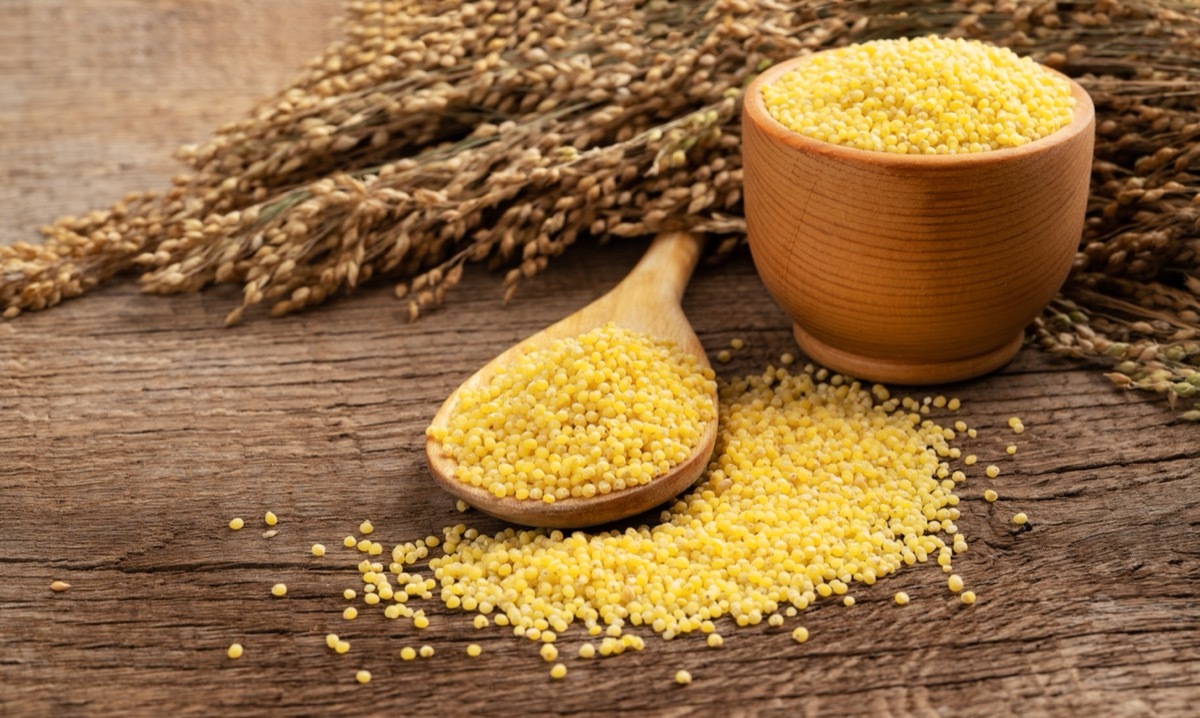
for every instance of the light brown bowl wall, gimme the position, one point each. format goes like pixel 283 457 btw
pixel 910 268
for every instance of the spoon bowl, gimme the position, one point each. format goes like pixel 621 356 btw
pixel 646 301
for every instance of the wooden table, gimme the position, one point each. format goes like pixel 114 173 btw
pixel 133 428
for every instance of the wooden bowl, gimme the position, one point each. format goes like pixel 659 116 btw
pixel 915 269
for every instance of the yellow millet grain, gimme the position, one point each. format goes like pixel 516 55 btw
pixel 235 650
pixel 812 486
pixel 363 676
pixel 594 414
pixel 236 524
pixel 558 672
pixel 270 519
pixel 800 634
pixel 318 549
pixel 474 650
pixel 926 95
pixel 408 653
pixel 990 495
pixel 683 678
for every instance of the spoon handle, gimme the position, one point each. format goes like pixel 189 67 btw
pixel 662 274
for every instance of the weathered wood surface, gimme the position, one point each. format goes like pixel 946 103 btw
pixel 133 428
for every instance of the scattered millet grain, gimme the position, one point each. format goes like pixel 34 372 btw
pixel 59 586
pixel 1010 449
pixel 279 590
pixel 408 653
pixel 593 414
pixel 350 613
pixel 341 647
pixel 363 676
pixel 331 640
pixel 776 620
pixel 954 404
pixel 737 343
pixel 683 678
pixel 967 597
pixel 318 549
pixel 548 652
pixel 714 640
pixel 848 601
pixel 1020 519
pixel 724 356
pixel 462 506
pixel 235 651
pixel 349 594
pixel 954 583
pixel 901 598
pixel 990 495
pixel 800 634
pixel 365 527
pixel 558 672
pixel 992 471
pixel 349 542
pixel 970 459
pixel 236 524
pixel 587 650
pixel 425 651
pixel 270 518
pixel 927 95
pixel 786 359
pixel 421 622
pixel 473 650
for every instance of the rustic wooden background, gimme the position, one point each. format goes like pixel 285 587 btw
pixel 133 428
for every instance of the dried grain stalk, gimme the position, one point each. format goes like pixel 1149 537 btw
pixel 437 133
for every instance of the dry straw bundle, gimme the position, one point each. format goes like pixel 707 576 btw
pixel 440 132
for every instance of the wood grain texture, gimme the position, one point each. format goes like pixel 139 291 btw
pixel 132 428
pixel 912 268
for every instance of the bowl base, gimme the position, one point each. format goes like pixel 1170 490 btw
pixel 894 371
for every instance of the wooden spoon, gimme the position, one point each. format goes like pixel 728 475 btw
pixel 647 301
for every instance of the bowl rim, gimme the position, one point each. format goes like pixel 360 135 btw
pixel 755 110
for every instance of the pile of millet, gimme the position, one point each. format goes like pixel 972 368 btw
pixel 927 95
pixel 819 485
